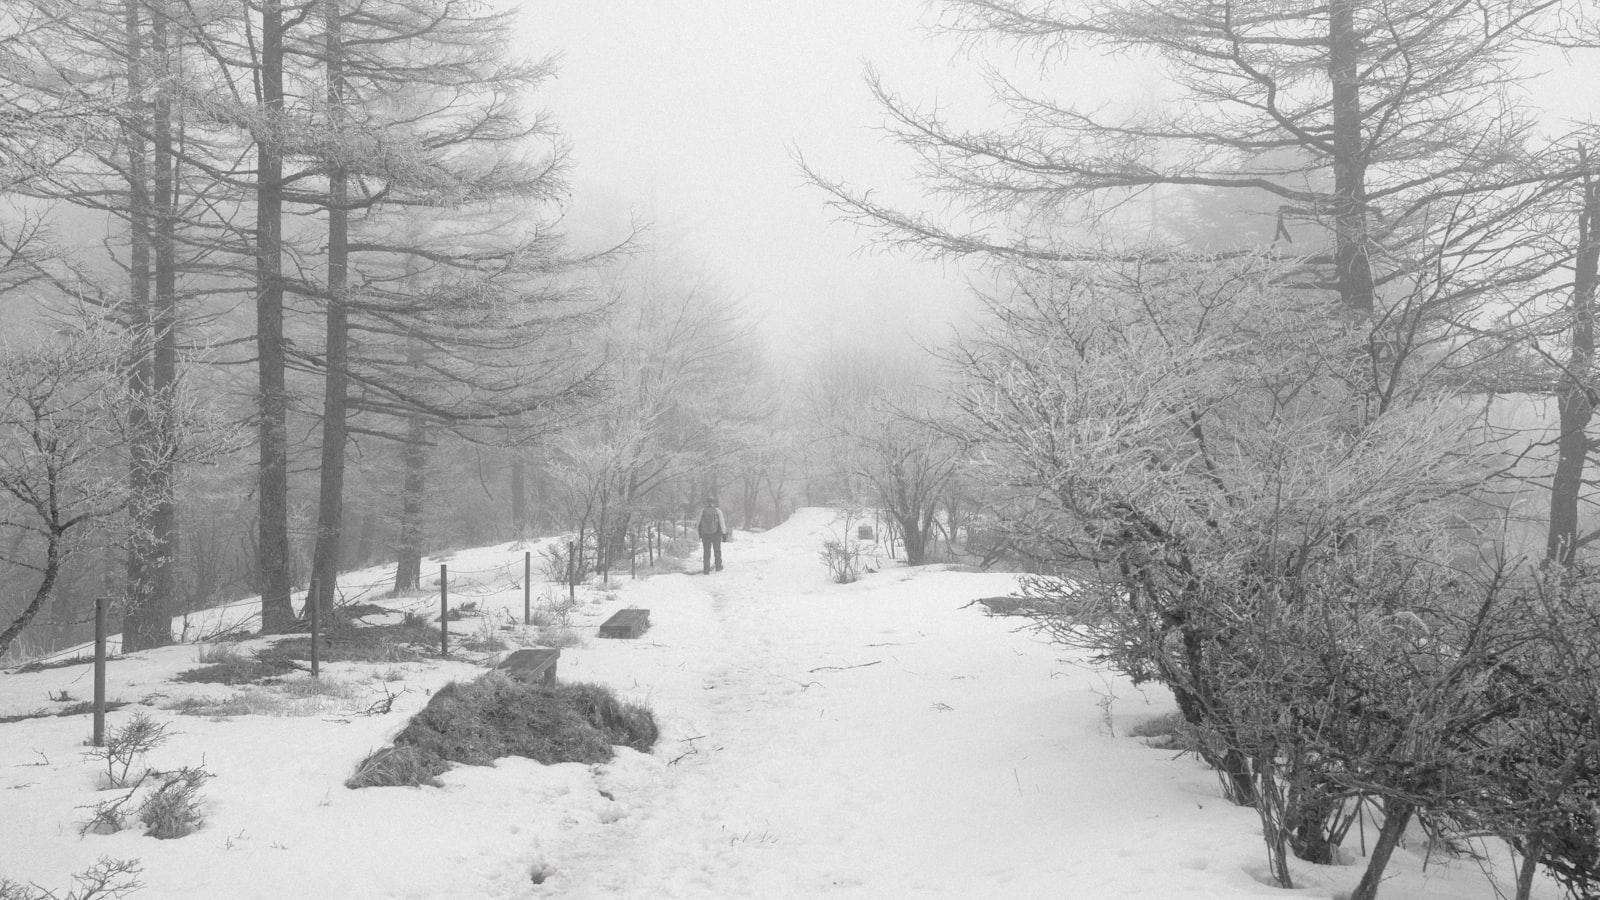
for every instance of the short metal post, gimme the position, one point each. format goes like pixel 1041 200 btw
pixel 527 587
pixel 98 739
pixel 312 607
pixel 444 610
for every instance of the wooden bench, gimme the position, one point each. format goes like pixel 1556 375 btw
pixel 626 623
pixel 534 666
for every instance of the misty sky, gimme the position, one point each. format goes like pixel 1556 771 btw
pixel 686 112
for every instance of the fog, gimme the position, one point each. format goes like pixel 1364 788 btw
pixel 689 115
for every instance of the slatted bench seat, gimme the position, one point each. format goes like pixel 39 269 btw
pixel 534 666
pixel 626 623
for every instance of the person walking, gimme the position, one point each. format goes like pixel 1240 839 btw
pixel 713 528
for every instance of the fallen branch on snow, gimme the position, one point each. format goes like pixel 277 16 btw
pixel 842 668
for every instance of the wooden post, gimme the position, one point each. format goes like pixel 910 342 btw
pixel 572 571
pixel 633 554
pixel 650 544
pixel 312 615
pixel 98 739
pixel 444 610
pixel 527 587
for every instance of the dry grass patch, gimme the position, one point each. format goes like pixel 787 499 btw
pixel 288 698
pixel 480 721
pixel 559 636
pixel 227 664
pixel 406 641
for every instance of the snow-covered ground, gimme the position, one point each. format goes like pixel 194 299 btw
pixel 875 740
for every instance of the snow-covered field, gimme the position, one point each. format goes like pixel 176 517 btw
pixel 874 740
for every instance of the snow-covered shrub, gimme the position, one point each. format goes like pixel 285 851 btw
pixel 107 879
pixel 111 815
pixel 1193 456
pixel 842 556
pixel 124 746
pixel 555 562
pixel 173 809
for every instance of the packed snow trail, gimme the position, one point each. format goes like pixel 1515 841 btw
pixel 878 740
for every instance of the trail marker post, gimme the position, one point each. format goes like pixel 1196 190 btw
pixel 98 739
pixel 316 631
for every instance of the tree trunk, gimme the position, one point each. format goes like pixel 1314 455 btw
pixel 751 485
pixel 1352 267
pixel 408 553
pixel 52 569
pixel 1526 870
pixel 141 374
pixel 1574 394
pixel 913 536
pixel 1309 831
pixel 1396 816
pixel 365 540
pixel 335 401
pixel 272 493
pixel 153 557
pixel 414 461
pixel 519 497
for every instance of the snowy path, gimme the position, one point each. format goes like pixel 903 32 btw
pixel 944 755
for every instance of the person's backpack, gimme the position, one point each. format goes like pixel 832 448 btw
pixel 709 522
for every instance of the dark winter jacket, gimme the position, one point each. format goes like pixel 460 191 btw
pixel 712 524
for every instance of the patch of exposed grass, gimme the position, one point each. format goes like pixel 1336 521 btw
pixel 41 666
pixel 77 709
pixel 85 707
pixel 292 697
pixel 559 636
pixel 402 642
pixel 480 721
pixel 226 664
pixel 353 611
pixel 622 722
pixel 403 766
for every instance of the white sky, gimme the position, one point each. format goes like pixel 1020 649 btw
pixel 684 112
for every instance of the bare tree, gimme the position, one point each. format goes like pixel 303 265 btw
pixel 63 403
pixel 1387 136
